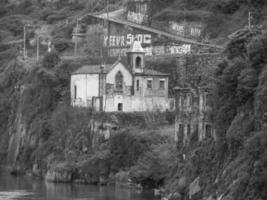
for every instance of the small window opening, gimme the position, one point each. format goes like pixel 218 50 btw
pixel 137 85
pixel 120 107
pixel 138 62
pixel 208 131
pixel 75 91
pixel 161 84
pixel 119 82
pixel 181 130
pixel 149 84
pixel 188 129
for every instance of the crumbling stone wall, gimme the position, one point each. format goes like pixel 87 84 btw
pixel 193 110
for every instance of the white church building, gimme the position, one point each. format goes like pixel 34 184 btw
pixel 117 87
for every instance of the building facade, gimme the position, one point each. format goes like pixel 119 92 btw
pixel 193 97
pixel 193 115
pixel 115 87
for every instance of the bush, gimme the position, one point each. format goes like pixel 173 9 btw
pixel 154 166
pixel 256 145
pixel 13 24
pixel 62 44
pixel 228 6
pixel 51 60
pixel 126 147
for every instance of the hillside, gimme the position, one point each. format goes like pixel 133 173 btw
pixel 41 134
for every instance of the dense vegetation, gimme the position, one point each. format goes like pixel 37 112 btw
pixel 233 167
pixel 36 119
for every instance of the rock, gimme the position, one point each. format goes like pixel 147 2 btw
pixel 182 183
pixel 103 180
pixel 156 192
pixel 36 170
pixel 16 170
pixel 194 187
pixel 57 176
pixel 62 172
pixel 176 196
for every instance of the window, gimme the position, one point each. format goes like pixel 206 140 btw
pixel 181 133
pixel 161 84
pixel 137 85
pixel 120 107
pixel 208 100
pixel 138 62
pixel 208 131
pixel 75 91
pixel 119 82
pixel 149 84
pixel 188 130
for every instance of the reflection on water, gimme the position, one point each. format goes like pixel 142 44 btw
pixel 22 188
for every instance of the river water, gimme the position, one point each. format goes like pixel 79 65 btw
pixel 27 188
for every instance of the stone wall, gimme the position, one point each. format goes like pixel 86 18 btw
pixel 193 110
pixel 136 104
pixel 196 69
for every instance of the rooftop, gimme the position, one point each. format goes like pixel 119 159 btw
pixel 93 69
pixel 136 47
pixel 151 72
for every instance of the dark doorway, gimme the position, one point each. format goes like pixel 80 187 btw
pixel 208 131
pixel 120 107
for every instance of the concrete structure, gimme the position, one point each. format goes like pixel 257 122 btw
pixel 116 87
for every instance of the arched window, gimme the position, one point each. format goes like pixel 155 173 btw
pixel 138 62
pixel 119 81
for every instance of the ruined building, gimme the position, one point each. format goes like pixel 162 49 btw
pixel 121 87
pixel 193 98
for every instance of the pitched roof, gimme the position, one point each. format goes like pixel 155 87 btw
pixel 136 48
pixel 96 69
pixel 151 72
pixel 93 69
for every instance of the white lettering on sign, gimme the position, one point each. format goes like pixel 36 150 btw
pixel 138 18
pixel 121 41
pixel 123 51
pixel 196 32
pixel 158 50
pixel 183 49
pixel 148 51
pixel 177 28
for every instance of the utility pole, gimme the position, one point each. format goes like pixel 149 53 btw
pixel 108 28
pixel 24 41
pixel 249 19
pixel 37 47
pixel 76 38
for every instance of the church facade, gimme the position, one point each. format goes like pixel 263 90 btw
pixel 117 87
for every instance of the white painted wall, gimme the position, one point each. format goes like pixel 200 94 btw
pixel 87 87
pixel 135 104
pixel 127 77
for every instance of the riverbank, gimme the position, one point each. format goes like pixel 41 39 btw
pixel 25 187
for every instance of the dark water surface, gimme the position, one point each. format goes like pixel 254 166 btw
pixel 27 188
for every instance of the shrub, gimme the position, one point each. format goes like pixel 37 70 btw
pixel 62 44
pixel 154 166
pixel 126 147
pixel 256 145
pixel 51 60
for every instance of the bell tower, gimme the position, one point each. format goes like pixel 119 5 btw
pixel 135 56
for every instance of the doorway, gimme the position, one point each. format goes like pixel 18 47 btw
pixel 120 107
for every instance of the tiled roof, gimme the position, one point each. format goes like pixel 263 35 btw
pixel 95 69
pixel 151 72
pixel 92 69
